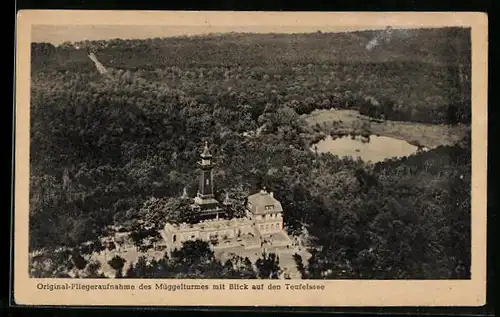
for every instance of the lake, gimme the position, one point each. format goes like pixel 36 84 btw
pixel 374 149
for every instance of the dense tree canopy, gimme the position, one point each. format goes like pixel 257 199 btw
pixel 420 75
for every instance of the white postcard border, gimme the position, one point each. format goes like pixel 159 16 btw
pixel 337 292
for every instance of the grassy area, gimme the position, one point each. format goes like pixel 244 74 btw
pixel 350 121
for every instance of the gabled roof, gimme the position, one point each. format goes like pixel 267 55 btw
pixel 257 203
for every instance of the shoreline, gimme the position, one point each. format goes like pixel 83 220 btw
pixel 349 121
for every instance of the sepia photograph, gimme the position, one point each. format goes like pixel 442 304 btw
pixel 286 152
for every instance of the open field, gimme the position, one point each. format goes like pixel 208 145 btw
pixel 428 135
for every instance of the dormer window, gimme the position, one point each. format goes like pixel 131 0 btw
pixel 269 207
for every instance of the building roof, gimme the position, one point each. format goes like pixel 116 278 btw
pixel 258 202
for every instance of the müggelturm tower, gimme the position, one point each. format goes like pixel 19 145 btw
pixel 205 203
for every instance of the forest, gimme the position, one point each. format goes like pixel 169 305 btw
pixel 112 149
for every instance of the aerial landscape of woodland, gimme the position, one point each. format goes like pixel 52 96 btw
pixel 115 149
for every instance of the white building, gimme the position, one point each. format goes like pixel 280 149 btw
pixel 266 213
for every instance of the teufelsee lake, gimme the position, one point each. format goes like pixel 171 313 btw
pixel 373 149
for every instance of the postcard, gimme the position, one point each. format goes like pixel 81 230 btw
pixel 216 158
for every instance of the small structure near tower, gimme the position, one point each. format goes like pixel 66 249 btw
pixel 227 202
pixel 184 194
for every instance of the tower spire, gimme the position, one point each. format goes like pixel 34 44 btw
pixel 206 151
